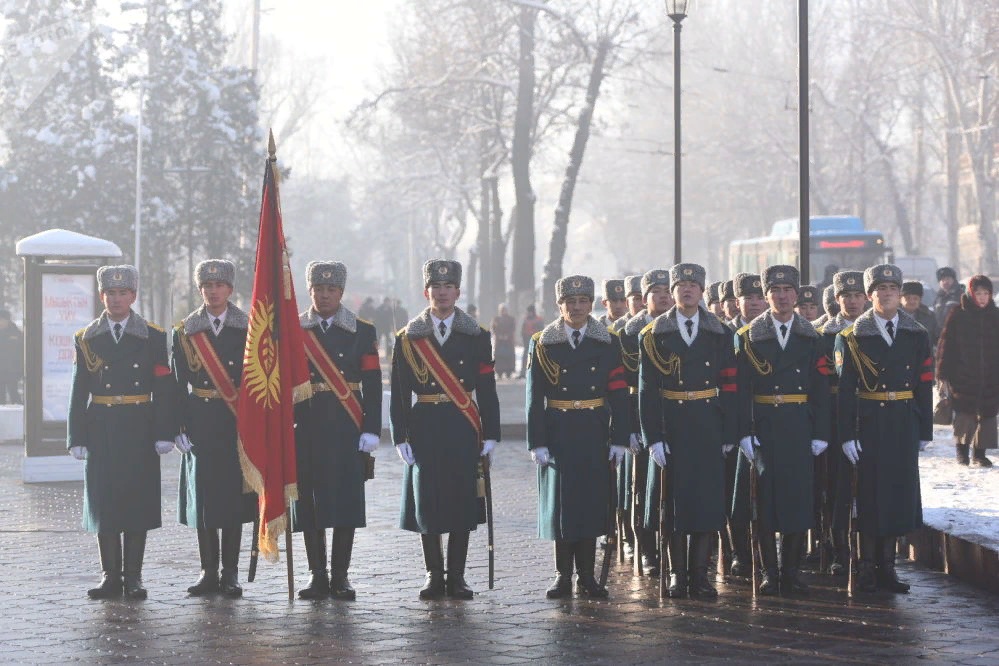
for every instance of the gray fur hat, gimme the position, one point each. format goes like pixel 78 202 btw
pixel 215 270
pixel 441 270
pixel 124 276
pixel 726 291
pixel 714 289
pixel 845 281
pixel 654 277
pixel 573 285
pixel 880 274
pixel 780 274
pixel 632 285
pixel 747 284
pixel 691 272
pixel 829 300
pixel 614 290
pixel 808 295
pixel 333 273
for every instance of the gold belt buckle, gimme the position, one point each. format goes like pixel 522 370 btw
pixel 442 397
pixel 118 399
pixel 690 395
pixel 778 399
pixel 576 404
pixel 891 395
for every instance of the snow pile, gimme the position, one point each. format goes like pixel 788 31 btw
pixel 961 501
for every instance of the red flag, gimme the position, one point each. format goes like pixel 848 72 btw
pixel 275 374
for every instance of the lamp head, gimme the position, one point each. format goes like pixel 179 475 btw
pixel 677 9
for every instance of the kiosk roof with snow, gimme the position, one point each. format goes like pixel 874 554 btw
pixel 63 243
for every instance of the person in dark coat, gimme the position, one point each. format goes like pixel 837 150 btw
pixel 968 371
pixel 808 303
pixel 120 418
pixel 829 304
pixel 384 322
pixel 11 359
pixel 504 328
pixel 783 423
pixel 532 324
pixel 577 408
pixel 832 490
pixel 368 311
pixel 729 302
pixel 211 496
pixel 948 296
pixel 912 303
pixel 435 439
pixel 687 406
pixel 332 450
pixel 711 298
pixel 885 414
pixel 614 302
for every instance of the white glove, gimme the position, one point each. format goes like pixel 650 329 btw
pixel 924 444
pixel 727 449
pixel 182 442
pixel 635 443
pixel 617 454
pixel 747 445
pixel 540 456
pixel 79 452
pixel 818 446
pixel 659 451
pixel 488 446
pixel 164 446
pixel 852 451
pixel 405 452
pixel 368 442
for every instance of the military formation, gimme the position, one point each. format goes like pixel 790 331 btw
pixel 692 423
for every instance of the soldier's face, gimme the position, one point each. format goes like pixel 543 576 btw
pixel 616 307
pixel 575 310
pixel 216 294
pixel 752 306
pixel 442 295
pixel 687 293
pixel 658 300
pixel 730 308
pixel 852 303
pixel 911 302
pixel 809 311
pixel 886 297
pixel 117 302
pixel 635 304
pixel 781 298
pixel 326 299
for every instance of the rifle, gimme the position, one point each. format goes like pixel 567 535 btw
pixel 754 515
pixel 824 529
pixel 610 543
pixel 487 480
pixel 854 536
pixel 620 518
pixel 637 519
pixel 254 550
pixel 665 527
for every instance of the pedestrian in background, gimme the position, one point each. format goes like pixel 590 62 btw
pixel 368 312
pixel 912 303
pixel 385 323
pixel 532 324
pixel 504 327
pixel 949 295
pixel 968 370
pixel 11 359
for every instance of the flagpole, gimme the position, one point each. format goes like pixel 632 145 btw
pixel 287 547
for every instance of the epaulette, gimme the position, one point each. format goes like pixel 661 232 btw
pixel 401 331
pixel 743 329
pixel 369 323
pixel 611 330
pixel 537 336
pixel 154 327
pixel 847 331
pixel 79 334
pixel 648 327
pixel 820 330
pixel 484 328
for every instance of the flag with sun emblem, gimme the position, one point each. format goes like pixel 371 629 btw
pixel 275 374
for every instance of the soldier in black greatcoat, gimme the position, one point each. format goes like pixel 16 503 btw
pixel 687 404
pixel 120 418
pixel 626 470
pixel 729 301
pixel 784 422
pixel 614 302
pixel 808 303
pixel 885 415
pixel 211 496
pixel 577 409
pixel 435 438
pixel 332 449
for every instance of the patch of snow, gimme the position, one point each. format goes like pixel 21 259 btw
pixel 63 243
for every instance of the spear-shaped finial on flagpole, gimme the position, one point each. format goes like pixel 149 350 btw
pixel 271 146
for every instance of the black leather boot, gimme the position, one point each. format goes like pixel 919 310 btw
pixel 866 580
pixel 700 550
pixel 134 550
pixel 457 552
pixel 343 546
pixel 650 553
pixel 109 547
pixel 677 567
pixel 229 579
pixel 770 581
pixel 742 564
pixel 434 558
pixel 792 549
pixel 978 459
pixel 841 553
pixel 315 551
pixel 962 454
pixel 562 586
pixel 208 549
pixel 886 576
pixel 585 554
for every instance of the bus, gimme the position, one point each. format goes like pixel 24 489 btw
pixel 840 240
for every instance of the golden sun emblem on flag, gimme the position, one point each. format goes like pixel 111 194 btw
pixel 261 374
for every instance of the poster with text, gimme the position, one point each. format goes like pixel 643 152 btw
pixel 68 303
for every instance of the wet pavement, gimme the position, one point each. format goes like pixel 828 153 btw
pixel 48 564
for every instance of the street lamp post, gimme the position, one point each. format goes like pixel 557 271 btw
pixel 804 216
pixel 677 11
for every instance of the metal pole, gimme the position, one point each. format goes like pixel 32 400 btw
pixel 138 181
pixel 676 143
pixel 804 242
pixel 256 37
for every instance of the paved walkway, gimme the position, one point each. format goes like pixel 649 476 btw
pixel 48 563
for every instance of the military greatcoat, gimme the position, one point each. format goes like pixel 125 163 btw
pixel 785 428
pixel 736 505
pixel 330 468
pixel 837 480
pixel 211 480
pixel 574 488
pixel 122 478
pixel 629 356
pixel 439 492
pixel 888 497
pixel 694 429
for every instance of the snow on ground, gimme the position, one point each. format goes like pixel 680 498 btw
pixel 958 500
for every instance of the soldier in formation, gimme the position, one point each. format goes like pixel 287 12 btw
pixel 613 301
